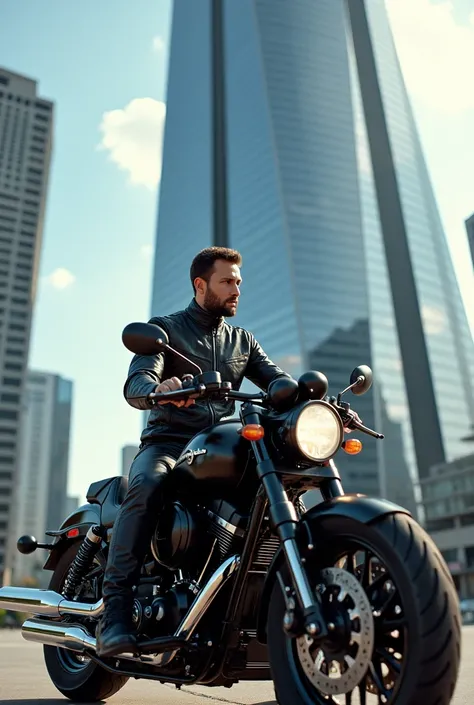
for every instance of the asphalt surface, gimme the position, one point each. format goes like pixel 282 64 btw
pixel 24 681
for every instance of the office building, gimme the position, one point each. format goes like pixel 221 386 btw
pixel 26 128
pixel 303 153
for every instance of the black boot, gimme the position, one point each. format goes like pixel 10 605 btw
pixel 115 631
pixel 131 537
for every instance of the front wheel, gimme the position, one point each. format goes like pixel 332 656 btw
pixel 394 616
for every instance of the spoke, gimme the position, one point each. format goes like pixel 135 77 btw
pixel 363 691
pixel 388 602
pixel 390 660
pixel 349 698
pixel 350 563
pixel 377 677
pixel 377 584
pixel 365 577
pixel 393 625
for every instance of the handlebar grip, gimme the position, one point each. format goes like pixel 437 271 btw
pixel 175 395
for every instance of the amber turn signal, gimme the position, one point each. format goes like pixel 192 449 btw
pixel 352 446
pixel 253 432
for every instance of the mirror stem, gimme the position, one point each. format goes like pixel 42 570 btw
pixel 359 380
pixel 161 343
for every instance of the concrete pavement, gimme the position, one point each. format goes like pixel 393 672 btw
pixel 24 681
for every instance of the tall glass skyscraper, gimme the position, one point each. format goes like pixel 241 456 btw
pixel 290 137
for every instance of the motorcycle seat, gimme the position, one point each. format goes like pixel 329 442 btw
pixel 99 491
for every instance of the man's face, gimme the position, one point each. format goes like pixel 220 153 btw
pixel 221 294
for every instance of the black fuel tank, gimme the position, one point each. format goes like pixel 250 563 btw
pixel 217 463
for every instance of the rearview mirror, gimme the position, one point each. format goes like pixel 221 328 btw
pixel 144 338
pixel 361 378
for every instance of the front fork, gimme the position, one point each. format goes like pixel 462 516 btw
pixel 285 521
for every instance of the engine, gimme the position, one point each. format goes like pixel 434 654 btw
pixel 187 541
pixel 185 537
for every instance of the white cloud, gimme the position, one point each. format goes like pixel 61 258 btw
pixel 146 251
pixel 436 53
pixel 158 44
pixel 134 138
pixel 61 278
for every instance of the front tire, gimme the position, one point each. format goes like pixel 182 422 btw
pixel 416 646
pixel 77 679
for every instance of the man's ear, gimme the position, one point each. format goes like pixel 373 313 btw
pixel 200 285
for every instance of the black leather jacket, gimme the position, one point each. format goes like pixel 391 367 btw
pixel 212 344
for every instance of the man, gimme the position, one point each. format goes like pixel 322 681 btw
pixel 201 334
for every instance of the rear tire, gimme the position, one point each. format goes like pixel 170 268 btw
pixel 426 602
pixel 80 682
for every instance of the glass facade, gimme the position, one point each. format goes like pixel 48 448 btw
pixel 185 207
pixel 447 334
pixel 302 209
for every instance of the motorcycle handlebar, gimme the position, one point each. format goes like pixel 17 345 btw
pixel 201 390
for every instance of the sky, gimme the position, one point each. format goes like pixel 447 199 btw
pixel 104 64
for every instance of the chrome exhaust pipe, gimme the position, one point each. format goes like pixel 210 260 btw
pixel 45 603
pixel 66 636
pixel 74 637
pixel 77 638
pixel 199 607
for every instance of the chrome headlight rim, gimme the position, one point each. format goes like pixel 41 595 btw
pixel 292 425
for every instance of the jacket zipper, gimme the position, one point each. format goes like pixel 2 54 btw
pixel 214 367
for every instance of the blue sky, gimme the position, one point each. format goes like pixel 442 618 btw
pixel 104 66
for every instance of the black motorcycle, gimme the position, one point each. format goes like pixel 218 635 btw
pixel 241 581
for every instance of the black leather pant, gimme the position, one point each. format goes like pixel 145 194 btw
pixel 137 517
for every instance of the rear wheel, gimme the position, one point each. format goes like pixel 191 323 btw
pixel 394 615
pixel 74 675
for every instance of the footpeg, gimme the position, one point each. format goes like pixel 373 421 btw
pixel 161 645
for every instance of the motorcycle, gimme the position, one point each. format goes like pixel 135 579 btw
pixel 241 580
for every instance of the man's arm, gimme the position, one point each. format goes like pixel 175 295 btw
pixel 144 375
pixel 260 369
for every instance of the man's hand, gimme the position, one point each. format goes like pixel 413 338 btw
pixel 356 417
pixel 170 385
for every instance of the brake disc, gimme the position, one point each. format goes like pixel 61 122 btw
pixel 336 676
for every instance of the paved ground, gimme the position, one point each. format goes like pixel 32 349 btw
pixel 24 681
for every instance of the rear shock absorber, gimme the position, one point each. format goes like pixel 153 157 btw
pixel 83 561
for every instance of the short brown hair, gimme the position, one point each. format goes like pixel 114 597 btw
pixel 203 264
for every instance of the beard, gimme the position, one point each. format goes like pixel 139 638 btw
pixel 215 305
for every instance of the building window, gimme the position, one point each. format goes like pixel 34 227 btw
pixel 12 381
pixel 470 556
pixel 43 106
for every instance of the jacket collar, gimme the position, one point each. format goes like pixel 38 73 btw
pixel 202 317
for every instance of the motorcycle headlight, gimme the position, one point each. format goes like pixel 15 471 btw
pixel 316 430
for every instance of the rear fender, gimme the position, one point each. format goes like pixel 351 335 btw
pixel 358 507
pixel 81 519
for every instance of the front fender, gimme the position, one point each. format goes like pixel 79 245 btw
pixel 82 519
pixel 354 506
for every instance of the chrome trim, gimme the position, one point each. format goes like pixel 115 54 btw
pixel 46 603
pixel 67 636
pixel 225 524
pixel 76 637
pixel 206 596
pixel 200 605
pixel 254 665
pixel 300 580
